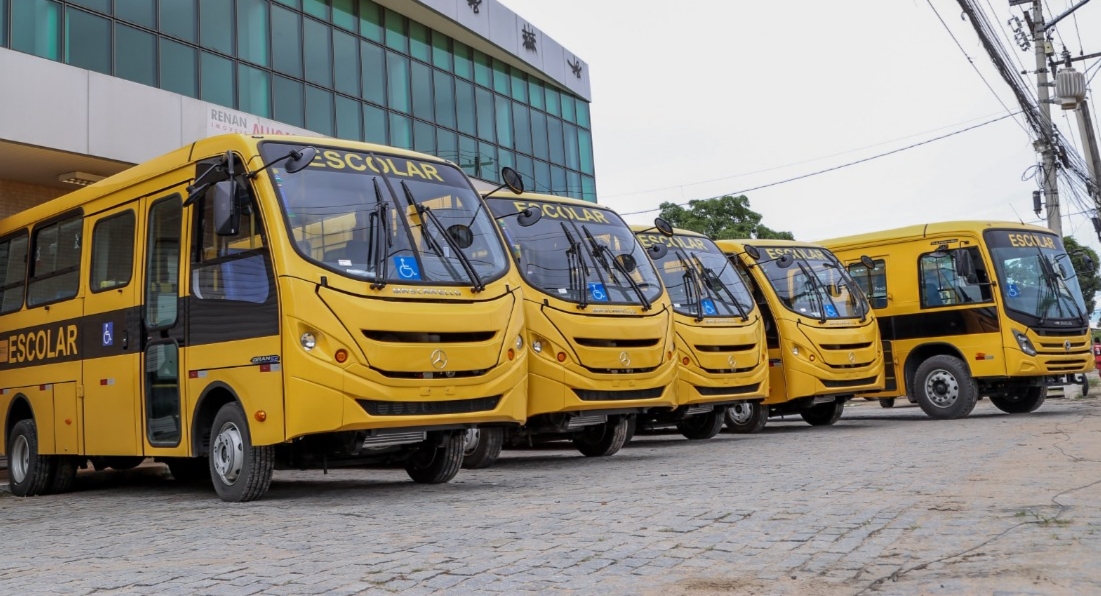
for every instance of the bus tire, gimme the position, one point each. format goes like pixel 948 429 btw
pixel 482 447
pixel 747 418
pixel 437 463
pixel 189 470
pixel 1028 401
pixel 29 473
pixel 632 427
pixel 824 414
pixel 241 472
pixel 887 403
pixel 702 427
pixel 602 440
pixel 944 388
pixel 1085 385
pixel 63 474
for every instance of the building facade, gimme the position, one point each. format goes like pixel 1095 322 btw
pixel 92 86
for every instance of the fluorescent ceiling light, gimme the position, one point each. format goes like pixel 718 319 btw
pixel 79 178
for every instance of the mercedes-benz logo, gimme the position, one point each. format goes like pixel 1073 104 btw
pixel 624 359
pixel 852 358
pixel 438 359
pixel 732 362
pixel 1066 345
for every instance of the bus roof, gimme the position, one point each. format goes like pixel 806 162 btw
pixel 922 231
pixel 534 196
pixel 676 231
pixel 740 244
pixel 244 144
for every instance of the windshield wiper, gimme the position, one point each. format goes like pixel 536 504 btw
pixel 692 285
pixel 1051 278
pixel 819 290
pixel 579 271
pixel 599 248
pixel 851 288
pixel 426 214
pixel 704 271
pixel 383 242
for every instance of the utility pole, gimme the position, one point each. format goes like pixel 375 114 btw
pixel 1043 144
pixel 1089 147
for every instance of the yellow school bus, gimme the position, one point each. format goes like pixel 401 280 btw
pixel 598 326
pixel 246 302
pixel 971 309
pixel 823 342
pixel 720 336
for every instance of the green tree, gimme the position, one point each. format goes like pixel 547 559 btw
pixel 1088 278
pixel 725 218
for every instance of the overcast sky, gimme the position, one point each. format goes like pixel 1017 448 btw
pixel 694 99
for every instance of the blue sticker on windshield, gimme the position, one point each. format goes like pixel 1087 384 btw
pixel 709 307
pixel 831 312
pixel 1014 291
pixel 597 292
pixel 407 268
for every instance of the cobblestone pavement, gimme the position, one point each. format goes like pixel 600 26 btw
pixel 886 502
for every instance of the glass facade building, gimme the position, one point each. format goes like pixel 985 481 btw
pixel 346 68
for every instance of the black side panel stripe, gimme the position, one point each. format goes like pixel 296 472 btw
pixel 925 325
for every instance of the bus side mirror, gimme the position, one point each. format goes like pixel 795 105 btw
pixel 965 268
pixel 227 214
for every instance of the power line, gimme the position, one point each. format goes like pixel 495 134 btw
pixel 847 165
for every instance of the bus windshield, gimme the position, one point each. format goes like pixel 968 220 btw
pixel 814 285
pixel 579 254
pixel 1036 274
pixel 385 218
pixel 699 278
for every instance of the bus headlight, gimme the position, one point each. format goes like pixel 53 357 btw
pixel 309 342
pixel 1025 343
pixel 519 342
pixel 537 346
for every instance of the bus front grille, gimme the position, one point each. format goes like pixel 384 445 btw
pixel 847 384
pixel 429 408
pixel 735 348
pixel 406 337
pixel 589 395
pixel 717 391
pixel 615 343
pixel 730 371
pixel 862 346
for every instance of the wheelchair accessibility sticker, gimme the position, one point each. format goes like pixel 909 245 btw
pixel 108 333
pixel 831 311
pixel 407 268
pixel 597 293
pixel 1014 291
pixel 709 307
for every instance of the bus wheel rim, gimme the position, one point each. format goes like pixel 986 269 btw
pixel 20 459
pixel 942 388
pixel 741 413
pixel 229 453
pixel 473 437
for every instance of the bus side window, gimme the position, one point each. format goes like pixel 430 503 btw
pixel 230 267
pixel 941 281
pixel 876 292
pixel 55 266
pixel 13 272
pixel 112 252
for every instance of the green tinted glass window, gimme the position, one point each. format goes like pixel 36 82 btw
pixel 464 106
pixel 35 28
pixel 539 146
pixel 287 99
pixel 370 20
pixel 316 8
pixel 87 41
pixel 483 70
pixel 319 110
pixel 441 51
pixel 374 125
pixel 468 155
pixel 556 150
pixel 252 31
pixel 558 181
pixel 573 158
pixel 286 53
pixel 585 147
pixel 444 94
pixel 583 114
pixel 139 12
pixel 569 108
pixel 422 91
pixel 373 66
pixel 484 100
pixel 463 66
pixel 521 127
pixel 573 185
pixel 502 83
pixel 535 94
pixel 346 63
pixel 554 102
pixel 319 45
pixel 291 3
pixel 588 189
pixel 542 176
pixel 419 46
pixel 519 87
pixel 395 32
pixel 216 25
pixel 401 131
pixel 344 14
pixel 178 19
pixel 348 116
pixel 397 82
pixel 424 137
pixel 3 23
pixel 103 6
pixel 135 55
pixel 447 144
pixel 254 91
pixel 504 121
pixel 216 79
pixel 179 68
pixel 526 167
pixel 505 159
pixel 487 162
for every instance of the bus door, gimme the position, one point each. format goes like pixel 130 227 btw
pixel 163 324
pixel 874 285
pixel 112 336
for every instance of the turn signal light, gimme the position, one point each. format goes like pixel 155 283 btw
pixel 511 354
pixel 812 357
pixel 685 361
pixel 670 355
pixel 341 356
pixel 561 356
pixel 261 415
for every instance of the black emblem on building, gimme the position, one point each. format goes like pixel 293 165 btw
pixel 475 5
pixel 575 66
pixel 529 38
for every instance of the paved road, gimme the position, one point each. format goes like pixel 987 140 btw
pixel 886 502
